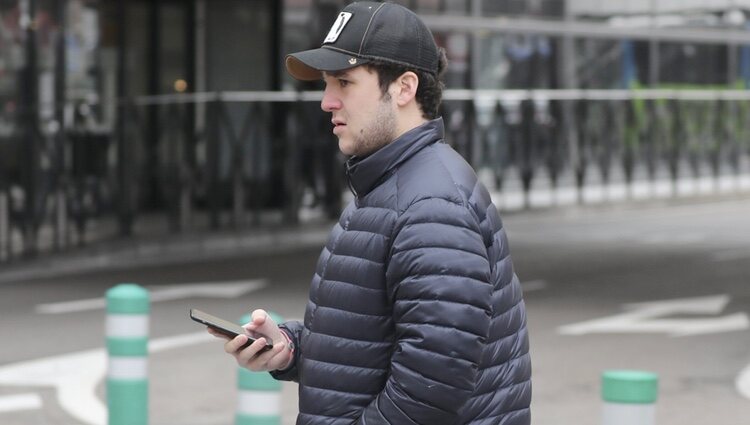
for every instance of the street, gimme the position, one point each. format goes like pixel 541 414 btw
pixel 660 286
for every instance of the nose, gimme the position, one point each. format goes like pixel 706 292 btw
pixel 330 101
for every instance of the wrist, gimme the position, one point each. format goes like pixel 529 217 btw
pixel 289 347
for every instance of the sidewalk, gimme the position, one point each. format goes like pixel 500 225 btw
pixel 153 245
pixel 147 250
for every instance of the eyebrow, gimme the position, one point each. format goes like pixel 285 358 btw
pixel 336 74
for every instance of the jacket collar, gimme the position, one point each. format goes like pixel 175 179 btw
pixel 364 174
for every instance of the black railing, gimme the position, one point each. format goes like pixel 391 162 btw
pixel 228 160
pixel 615 137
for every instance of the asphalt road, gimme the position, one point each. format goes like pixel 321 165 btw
pixel 663 287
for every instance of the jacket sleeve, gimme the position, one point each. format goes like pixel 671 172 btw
pixel 293 329
pixel 438 278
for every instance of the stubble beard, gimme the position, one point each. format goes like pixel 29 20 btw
pixel 380 132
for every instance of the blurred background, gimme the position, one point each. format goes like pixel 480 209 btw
pixel 127 117
pixel 162 142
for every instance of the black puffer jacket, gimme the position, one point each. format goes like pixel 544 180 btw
pixel 415 314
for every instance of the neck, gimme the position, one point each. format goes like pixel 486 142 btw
pixel 408 119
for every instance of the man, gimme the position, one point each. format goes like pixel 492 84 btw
pixel 415 314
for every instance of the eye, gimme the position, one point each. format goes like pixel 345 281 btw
pixel 343 83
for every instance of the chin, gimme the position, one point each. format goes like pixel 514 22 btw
pixel 346 148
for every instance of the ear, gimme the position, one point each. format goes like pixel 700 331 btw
pixel 405 89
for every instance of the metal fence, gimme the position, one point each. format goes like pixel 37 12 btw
pixel 226 160
pixel 576 138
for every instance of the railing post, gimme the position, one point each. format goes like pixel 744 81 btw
pixel 186 209
pixel 61 217
pixel 127 347
pixel 238 188
pixel 526 149
pixel 4 225
pixel 292 166
pixel 125 168
pixel 170 132
pixel 213 142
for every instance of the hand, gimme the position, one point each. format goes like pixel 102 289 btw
pixel 279 357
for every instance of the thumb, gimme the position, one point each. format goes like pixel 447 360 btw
pixel 264 324
pixel 259 317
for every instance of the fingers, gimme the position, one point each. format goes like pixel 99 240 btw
pixel 217 334
pixel 254 358
pixel 280 357
pixel 233 346
pixel 257 359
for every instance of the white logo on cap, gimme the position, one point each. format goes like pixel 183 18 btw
pixel 337 27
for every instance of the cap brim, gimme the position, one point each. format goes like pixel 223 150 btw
pixel 310 64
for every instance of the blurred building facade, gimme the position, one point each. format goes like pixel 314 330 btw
pixel 113 109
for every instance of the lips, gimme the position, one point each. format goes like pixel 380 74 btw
pixel 337 124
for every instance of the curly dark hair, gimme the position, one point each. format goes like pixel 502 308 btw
pixel 430 88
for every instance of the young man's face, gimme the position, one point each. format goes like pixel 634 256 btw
pixel 363 119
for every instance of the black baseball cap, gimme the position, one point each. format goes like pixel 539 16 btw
pixel 367 31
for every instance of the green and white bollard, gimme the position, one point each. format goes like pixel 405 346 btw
pixel 259 394
pixel 629 397
pixel 127 347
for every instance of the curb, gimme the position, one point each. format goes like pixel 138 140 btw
pixel 173 250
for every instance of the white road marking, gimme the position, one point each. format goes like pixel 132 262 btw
pixel 673 239
pixel 644 318
pixel 76 375
pixel 164 293
pixel 534 285
pixel 17 402
pixel 743 382
pixel 73 375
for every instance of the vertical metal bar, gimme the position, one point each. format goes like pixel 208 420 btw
pixel 188 159
pixel 199 63
pixel 153 196
pixel 4 226
pixel 270 114
pixel 200 110
pixel 277 29
pixel 172 131
pixel 59 152
pixel 732 141
pixel 245 140
pixel 278 118
pixel 476 136
pixel 292 159
pixel 29 116
pixel 212 162
pixel 185 164
pixel 567 70
pixel 186 212
pixel 526 149
pixel 124 167
pixel 61 218
pixel 238 189
pixel 652 105
pixel 653 50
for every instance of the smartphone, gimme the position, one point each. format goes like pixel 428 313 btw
pixel 225 327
